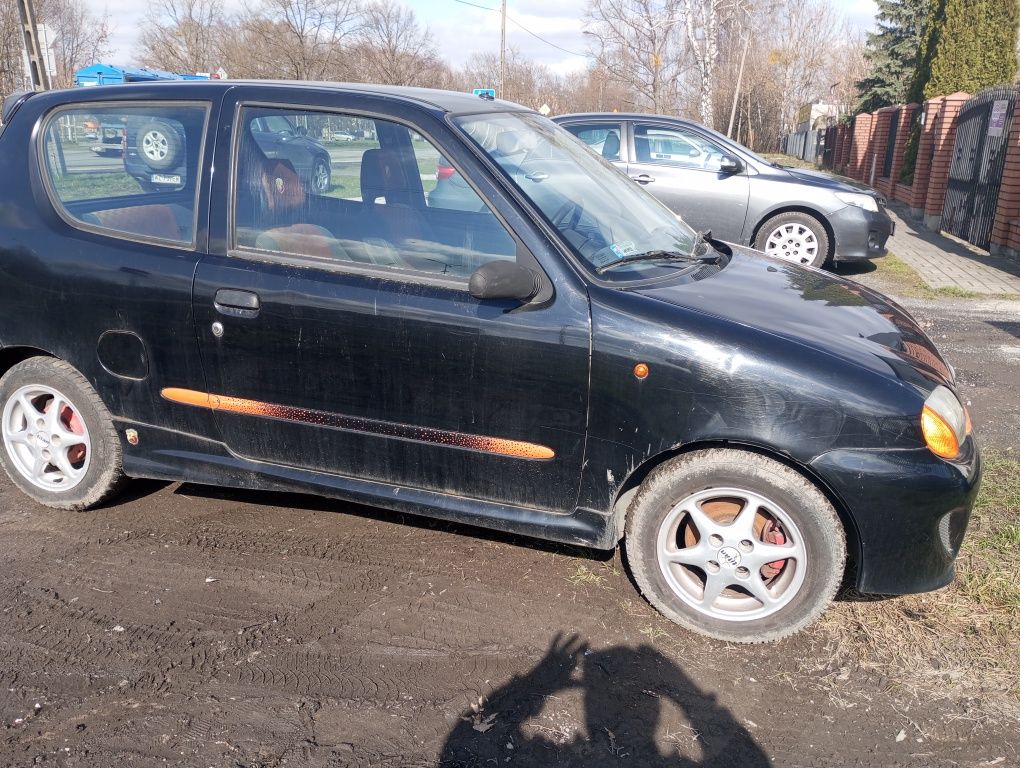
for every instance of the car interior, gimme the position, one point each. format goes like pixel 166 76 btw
pixel 389 225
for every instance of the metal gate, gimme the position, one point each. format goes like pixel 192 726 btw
pixel 975 175
pixel 890 145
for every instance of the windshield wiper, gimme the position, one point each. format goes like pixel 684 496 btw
pixel 708 258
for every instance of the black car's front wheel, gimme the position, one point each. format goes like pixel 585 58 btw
pixel 735 545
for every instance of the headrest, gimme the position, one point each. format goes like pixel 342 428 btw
pixel 383 175
pixel 611 147
pixel 281 186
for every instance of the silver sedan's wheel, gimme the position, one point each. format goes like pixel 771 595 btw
pixel 796 237
pixel 59 443
pixel 793 242
pixel 734 545
pixel 46 439
pixel 732 554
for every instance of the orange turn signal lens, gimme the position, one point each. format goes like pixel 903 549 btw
pixel 939 435
pixel 641 371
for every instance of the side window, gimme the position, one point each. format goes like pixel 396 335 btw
pixel 358 192
pixel 675 146
pixel 603 138
pixel 131 170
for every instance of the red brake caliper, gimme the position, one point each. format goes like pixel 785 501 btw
pixel 71 420
pixel 773 534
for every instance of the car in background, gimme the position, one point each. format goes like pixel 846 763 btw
pixel 718 185
pixel 154 152
pixel 340 136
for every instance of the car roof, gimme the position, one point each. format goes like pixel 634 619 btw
pixel 429 98
pixel 621 116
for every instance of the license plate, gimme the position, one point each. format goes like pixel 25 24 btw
pixel 164 178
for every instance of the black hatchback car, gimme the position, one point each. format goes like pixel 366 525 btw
pixel 562 359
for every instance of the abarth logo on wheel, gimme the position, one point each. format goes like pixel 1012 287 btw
pixel 729 556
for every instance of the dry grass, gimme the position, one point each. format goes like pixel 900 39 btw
pixel 903 280
pixel 585 576
pixel 962 638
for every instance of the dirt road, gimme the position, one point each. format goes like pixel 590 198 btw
pixel 188 626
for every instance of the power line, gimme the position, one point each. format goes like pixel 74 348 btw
pixel 517 23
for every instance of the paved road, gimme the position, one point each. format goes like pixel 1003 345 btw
pixel 188 626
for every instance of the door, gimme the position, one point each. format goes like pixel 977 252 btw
pixel 979 158
pixel 347 341
pixel 683 168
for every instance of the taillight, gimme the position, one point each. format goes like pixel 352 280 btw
pixel 443 172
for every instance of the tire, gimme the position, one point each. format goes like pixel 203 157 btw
pixel 159 146
pixel 321 181
pixel 795 237
pixel 89 467
pixel 790 512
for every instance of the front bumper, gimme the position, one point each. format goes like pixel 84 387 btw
pixel 909 510
pixel 860 234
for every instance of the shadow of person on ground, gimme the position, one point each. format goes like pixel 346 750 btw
pixel 638 706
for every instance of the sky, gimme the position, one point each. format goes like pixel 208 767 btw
pixel 460 28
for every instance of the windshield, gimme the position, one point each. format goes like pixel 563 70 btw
pixel 604 216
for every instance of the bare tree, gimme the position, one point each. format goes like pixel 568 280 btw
pixel 395 49
pixel 78 37
pixel 294 39
pixel 11 49
pixel 183 35
pixel 639 44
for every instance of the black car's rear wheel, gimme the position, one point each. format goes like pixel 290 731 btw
pixel 60 446
pixel 735 545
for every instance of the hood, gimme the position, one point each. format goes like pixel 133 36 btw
pixel 830 181
pixel 808 306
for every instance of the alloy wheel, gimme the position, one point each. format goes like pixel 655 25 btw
pixel 731 554
pixel 46 438
pixel 155 145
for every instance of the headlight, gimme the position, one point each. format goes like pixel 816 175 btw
pixel 945 423
pixel 859 199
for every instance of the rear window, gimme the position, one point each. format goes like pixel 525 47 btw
pixel 127 170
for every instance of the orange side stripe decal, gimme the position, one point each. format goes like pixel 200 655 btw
pixel 495 445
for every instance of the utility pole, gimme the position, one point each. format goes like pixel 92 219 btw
pixel 37 70
pixel 502 53
pixel 740 82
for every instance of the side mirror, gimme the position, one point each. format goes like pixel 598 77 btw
pixel 504 280
pixel 730 165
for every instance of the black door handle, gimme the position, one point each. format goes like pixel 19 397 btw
pixel 235 303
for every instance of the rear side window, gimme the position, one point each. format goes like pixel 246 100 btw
pixel 130 171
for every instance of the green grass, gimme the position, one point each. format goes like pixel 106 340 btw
pixel 89 186
pixel 963 636
pixel 346 177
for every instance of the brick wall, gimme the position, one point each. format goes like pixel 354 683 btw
pixel 944 138
pixel 877 148
pixel 859 144
pixel 925 151
pixel 906 121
